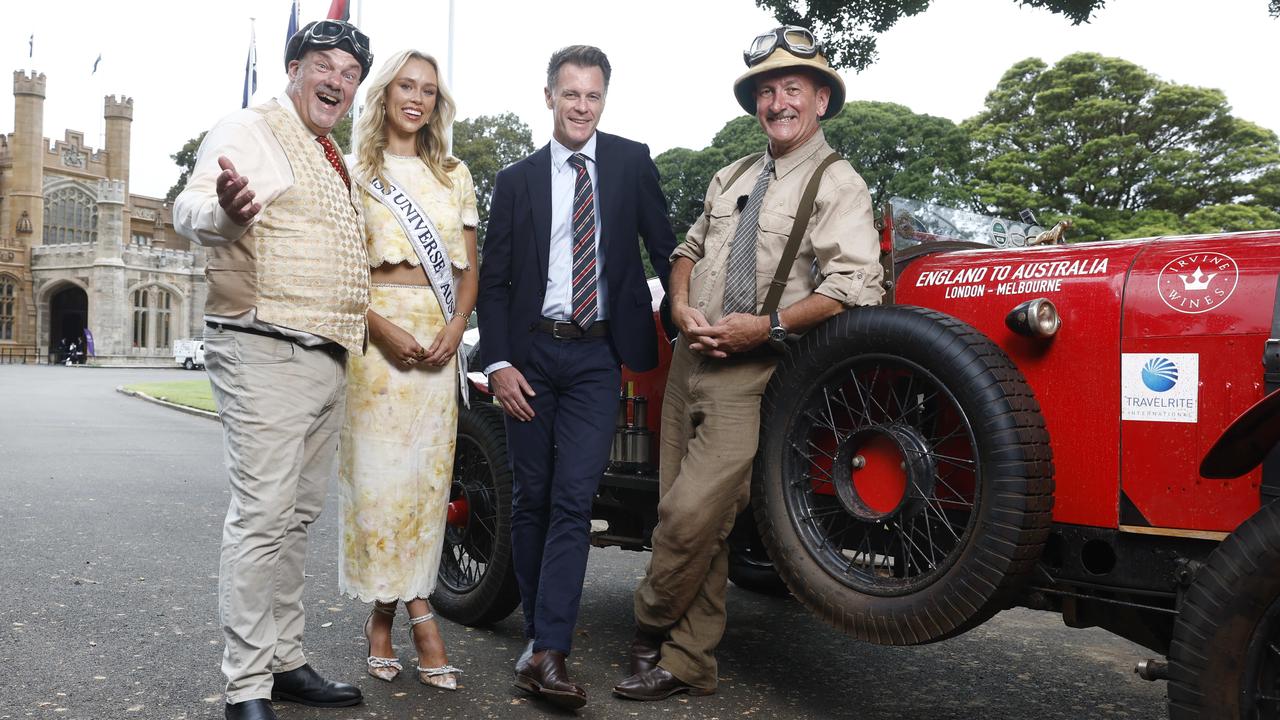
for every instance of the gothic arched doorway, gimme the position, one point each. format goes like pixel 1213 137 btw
pixel 68 317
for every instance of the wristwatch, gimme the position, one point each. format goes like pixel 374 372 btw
pixel 777 333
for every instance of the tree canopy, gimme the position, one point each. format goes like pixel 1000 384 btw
pixel 185 159
pixel 487 144
pixel 849 28
pixel 1100 138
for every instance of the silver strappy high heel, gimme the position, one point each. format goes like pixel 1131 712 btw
pixel 386 669
pixel 445 676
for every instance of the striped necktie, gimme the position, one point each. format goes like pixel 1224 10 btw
pixel 740 276
pixel 584 245
pixel 331 152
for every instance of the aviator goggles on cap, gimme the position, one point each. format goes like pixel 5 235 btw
pixel 327 34
pixel 796 40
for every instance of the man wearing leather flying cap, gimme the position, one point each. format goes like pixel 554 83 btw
pixel 288 287
pixel 733 329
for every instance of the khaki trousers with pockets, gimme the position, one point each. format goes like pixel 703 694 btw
pixel 282 407
pixel 710 430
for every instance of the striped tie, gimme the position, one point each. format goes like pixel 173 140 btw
pixel 740 277
pixel 584 245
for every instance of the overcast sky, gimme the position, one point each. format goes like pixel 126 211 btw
pixel 674 61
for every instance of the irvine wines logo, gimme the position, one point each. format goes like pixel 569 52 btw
pixel 1198 282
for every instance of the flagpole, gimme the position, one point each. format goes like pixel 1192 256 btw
pixel 355 104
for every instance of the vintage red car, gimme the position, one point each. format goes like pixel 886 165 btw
pixel 1018 426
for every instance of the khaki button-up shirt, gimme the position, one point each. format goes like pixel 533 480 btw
pixel 839 255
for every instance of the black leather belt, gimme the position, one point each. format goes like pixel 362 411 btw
pixel 332 348
pixel 567 330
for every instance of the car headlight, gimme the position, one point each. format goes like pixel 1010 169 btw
pixel 1034 318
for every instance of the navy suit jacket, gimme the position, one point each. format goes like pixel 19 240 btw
pixel 513 272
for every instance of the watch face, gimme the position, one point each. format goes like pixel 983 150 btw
pixel 777 334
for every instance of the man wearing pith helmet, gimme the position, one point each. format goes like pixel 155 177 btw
pixel 733 329
pixel 288 288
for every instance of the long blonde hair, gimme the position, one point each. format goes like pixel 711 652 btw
pixel 371 129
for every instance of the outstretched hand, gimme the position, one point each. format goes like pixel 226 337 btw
pixel 234 194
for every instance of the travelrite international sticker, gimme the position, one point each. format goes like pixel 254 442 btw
pixel 1198 282
pixel 1160 387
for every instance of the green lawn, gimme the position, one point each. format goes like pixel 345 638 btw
pixel 192 393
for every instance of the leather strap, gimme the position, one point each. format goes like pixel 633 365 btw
pixel 803 212
pixel 746 163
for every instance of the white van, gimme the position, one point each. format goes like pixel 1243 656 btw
pixel 189 353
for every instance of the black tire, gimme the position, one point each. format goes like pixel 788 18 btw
pixel 477 585
pixel 189 364
pixel 749 565
pixel 904 484
pixel 1224 660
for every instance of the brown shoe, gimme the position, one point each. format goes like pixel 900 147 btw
pixel 655 684
pixel 545 676
pixel 645 650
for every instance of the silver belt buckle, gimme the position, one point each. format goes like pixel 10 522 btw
pixel 569 329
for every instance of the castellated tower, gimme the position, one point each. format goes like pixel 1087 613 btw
pixel 107 303
pixel 119 117
pixel 27 188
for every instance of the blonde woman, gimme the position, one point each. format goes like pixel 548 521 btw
pixel 396 460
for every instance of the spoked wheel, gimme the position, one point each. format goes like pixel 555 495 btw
pixel 904 484
pixel 891 492
pixel 1224 661
pixel 476 583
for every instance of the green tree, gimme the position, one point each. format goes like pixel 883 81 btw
pixel 899 152
pixel 849 27
pixel 185 159
pixel 1100 139
pixel 487 144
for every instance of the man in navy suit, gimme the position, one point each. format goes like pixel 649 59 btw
pixel 563 302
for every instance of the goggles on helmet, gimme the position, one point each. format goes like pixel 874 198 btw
pixel 329 34
pixel 796 40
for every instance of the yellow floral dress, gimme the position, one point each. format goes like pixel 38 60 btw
pixel 396 452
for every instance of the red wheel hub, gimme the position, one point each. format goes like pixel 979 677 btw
pixel 459 513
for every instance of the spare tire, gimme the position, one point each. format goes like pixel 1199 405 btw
pixel 904 483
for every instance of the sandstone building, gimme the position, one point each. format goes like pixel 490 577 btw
pixel 78 251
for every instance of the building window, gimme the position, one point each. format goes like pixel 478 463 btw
pixel 8 306
pixel 140 317
pixel 70 216
pixel 141 240
pixel 163 315
pixel 152 318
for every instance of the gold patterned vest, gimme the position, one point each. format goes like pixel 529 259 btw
pixel 303 264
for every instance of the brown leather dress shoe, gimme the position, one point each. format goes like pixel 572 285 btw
pixel 655 684
pixel 545 676
pixel 645 651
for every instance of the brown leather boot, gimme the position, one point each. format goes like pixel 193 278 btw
pixel 545 676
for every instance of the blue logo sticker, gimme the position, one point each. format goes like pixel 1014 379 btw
pixel 1160 374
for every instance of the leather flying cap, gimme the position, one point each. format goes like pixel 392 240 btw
pixel 326 34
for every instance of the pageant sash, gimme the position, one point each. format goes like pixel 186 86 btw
pixel 428 245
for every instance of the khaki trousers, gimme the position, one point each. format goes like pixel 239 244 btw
pixel 710 422
pixel 282 408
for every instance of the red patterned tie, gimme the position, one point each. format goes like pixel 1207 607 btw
pixel 584 245
pixel 331 152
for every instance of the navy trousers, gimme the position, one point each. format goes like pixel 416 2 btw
pixel 557 459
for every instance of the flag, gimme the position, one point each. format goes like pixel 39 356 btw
pixel 31 45
pixel 339 10
pixel 95 64
pixel 293 22
pixel 250 70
